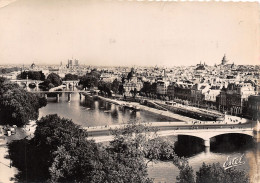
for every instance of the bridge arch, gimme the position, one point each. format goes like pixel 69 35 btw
pixel 228 142
pixel 208 134
pixel 191 135
pixel 249 134
pixel 193 139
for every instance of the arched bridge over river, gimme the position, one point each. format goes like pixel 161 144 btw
pixel 26 82
pixel 204 131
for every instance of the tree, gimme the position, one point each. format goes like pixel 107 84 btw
pixel 105 87
pixel 54 79
pixel 121 89
pixel 146 88
pixel 133 92
pixel 59 141
pixel 70 77
pixel 18 106
pixel 115 86
pixel 126 156
pixel 60 152
pixel 8 70
pixel 65 155
pixel 90 80
pixel 186 173
pixel 159 149
pixel 216 174
pixel 153 88
pixel 34 75
pixel 213 173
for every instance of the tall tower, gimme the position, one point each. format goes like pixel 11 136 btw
pixel 76 63
pixel 224 61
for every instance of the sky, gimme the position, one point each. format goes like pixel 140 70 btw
pixel 123 33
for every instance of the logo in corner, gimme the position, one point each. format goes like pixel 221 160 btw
pixel 232 162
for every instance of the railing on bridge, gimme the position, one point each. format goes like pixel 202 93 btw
pixel 204 131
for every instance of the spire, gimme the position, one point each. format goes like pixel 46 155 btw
pixel 224 61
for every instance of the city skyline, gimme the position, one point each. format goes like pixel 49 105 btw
pixel 129 33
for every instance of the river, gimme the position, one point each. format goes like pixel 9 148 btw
pixel 95 113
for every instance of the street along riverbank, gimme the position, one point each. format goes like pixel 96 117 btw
pixel 146 108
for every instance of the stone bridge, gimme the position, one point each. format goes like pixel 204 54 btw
pixel 204 131
pixel 26 82
pixel 72 83
pixel 207 134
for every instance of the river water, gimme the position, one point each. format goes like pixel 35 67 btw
pixel 95 113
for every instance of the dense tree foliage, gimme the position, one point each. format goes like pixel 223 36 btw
pixel 105 87
pixel 133 92
pixel 34 75
pixel 115 86
pixel 121 89
pixel 70 77
pixel 186 173
pixel 60 152
pixel 8 70
pixel 91 79
pixel 213 173
pixel 53 80
pixel 18 106
pixel 148 90
pixel 126 156
pixel 146 87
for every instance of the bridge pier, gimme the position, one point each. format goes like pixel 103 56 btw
pixel 257 137
pixel 58 97
pixel 45 96
pixel 207 142
pixel 69 97
pixel 80 96
pixel 37 86
pixel 257 132
pixel 207 149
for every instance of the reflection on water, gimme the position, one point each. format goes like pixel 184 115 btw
pixel 90 112
pixel 187 146
pixel 231 143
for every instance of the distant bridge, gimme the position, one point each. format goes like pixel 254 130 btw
pixel 73 83
pixel 26 82
pixel 45 93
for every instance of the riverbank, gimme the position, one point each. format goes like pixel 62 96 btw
pixel 149 109
pixel 226 119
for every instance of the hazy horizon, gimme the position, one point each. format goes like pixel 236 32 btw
pixel 115 33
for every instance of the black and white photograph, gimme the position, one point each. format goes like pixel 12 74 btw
pixel 129 91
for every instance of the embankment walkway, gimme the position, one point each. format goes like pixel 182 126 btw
pixel 149 109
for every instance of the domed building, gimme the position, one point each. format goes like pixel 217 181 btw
pixel 33 67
